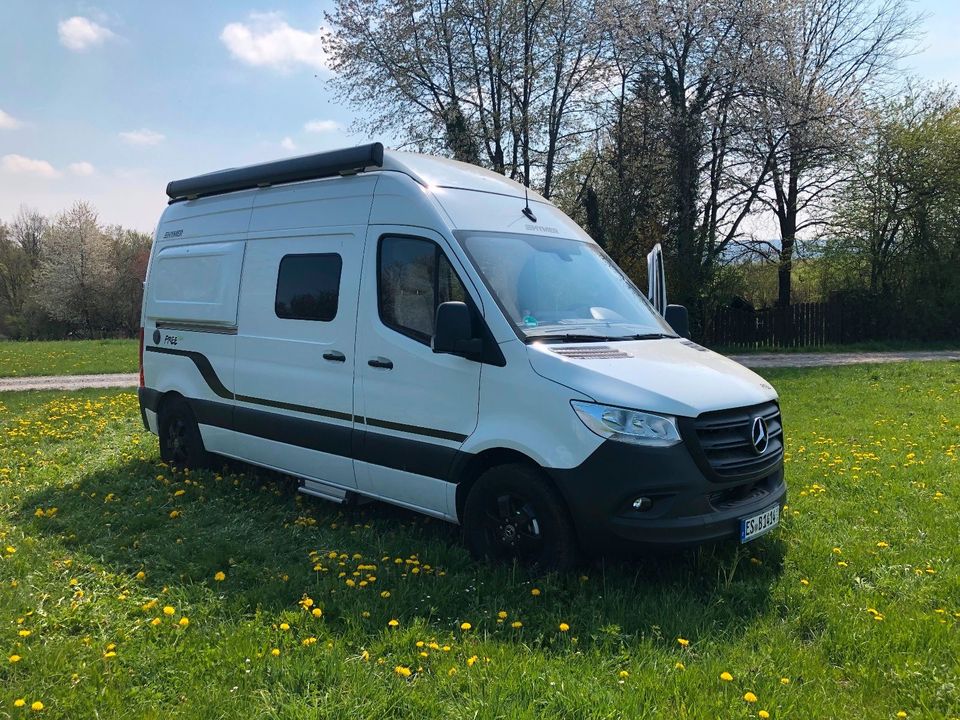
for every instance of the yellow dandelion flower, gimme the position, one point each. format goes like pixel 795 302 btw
pixel 168 610
pixel 679 666
pixel 883 544
pixel 275 652
pixel 174 514
pixel 25 633
pixel 316 612
pixel 516 624
pixel 183 622
pixel 141 575
pixel 502 615
pixel 394 623
pixel 284 626
pixel 763 714
pixel 471 660
pixel 36 706
pixel 110 654
pixel 564 627
pixel 308 641
pixel 624 674
pixel 385 594
pixel 784 681
pixel 465 626
pixel 683 642
pixel 306 602
pixel 403 671
pixel 901 714
pixel 365 655
pixel 156 621
pixel 804 581
pixel 452 671
pixel 220 576
pixel 725 676
pixel 749 697
pixel 19 702
pixel 14 658
pixel 535 592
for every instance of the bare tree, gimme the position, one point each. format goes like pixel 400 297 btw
pixel 27 230
pixel 499 83
pixel 823 58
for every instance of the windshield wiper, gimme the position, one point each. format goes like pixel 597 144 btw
pixel 646 336
pixel 571 338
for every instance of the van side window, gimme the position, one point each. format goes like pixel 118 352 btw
pixel 308 287
pixel 414 276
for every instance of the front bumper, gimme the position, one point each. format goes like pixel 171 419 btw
pixel 688 509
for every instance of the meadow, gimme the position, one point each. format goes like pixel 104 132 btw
pixel 132 590
pixel 67 357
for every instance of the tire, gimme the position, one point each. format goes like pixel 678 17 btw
pixel 513 513
pixel 180 442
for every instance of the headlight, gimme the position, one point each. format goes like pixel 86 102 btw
pixel 631 426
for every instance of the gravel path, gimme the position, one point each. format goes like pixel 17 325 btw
pixel 69 382
pixel 799 360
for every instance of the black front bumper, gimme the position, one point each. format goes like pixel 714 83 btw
pixel 688 509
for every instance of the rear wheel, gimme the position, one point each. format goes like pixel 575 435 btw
pixel 512 512
pixel 180 440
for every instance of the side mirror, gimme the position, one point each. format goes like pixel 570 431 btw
pixel 453 331
pixel 678 318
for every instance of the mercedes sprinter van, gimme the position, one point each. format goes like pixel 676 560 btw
pixel 407 328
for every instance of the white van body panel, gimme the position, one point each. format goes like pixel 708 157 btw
pixel 353 405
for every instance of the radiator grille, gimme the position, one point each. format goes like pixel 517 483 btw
pixel 726 442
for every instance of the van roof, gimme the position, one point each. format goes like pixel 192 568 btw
pixel 427 170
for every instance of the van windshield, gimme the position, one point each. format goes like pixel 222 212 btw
pixel 560 290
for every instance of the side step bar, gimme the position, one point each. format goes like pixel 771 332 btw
pixel 331 493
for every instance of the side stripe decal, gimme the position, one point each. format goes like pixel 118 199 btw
pixel 213 381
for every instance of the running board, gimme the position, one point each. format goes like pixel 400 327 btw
pixel 327 492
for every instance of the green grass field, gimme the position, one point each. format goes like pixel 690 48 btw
pixel 67 357
pixel 112 604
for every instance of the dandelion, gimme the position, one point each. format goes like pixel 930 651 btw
pixel 275 652
pixel 683 642
pixel 394 623
pixel 403 671
pixel 465 626
pixel 763 714
pixel 502 615
pixel 385 594
pixel 883 544
pixel 140 575
pixel 284 626
pixel 36 706
pixel 784 681
pixel 725 676
pixel 365 655
pixel 564 627
pixel 316 612
pixel 452 671
pixel 174 514
pixel 25 633
pixel 183 622
pixel 471 660
pixel 14 658
pixel 749 697
pixel 804 582
pixel 220 576
pixel 535 592
pixel 901 714
pixel 679 666
pixel 308 641
pixel 109 654
pixel 624 674
pixel 19 702
pixel 156 621
pixel 306 603
pixel 516 624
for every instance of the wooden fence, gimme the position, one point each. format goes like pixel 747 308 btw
pixel 802 325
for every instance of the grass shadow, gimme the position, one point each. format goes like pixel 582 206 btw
pixel 277 546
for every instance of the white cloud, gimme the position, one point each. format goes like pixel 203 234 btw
pixel 79 33
pixel 321 126
pixel 8 122
pixel 82 169
pixel 288 144
pixel 143 136
pixel 20 165
pixel 267 40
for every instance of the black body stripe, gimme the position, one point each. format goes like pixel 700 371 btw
pixel 203 365
pixel 210 377
pixel 197 327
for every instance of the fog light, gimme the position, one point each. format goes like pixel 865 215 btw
pixel 642 504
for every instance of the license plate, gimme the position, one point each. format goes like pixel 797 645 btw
pixel 759 524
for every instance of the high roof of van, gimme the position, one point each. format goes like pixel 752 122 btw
pixel 427 170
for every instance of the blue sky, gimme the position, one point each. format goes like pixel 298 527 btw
pixel 106 101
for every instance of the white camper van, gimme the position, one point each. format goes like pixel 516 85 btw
pixel 411 329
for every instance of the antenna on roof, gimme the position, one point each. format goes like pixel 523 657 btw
pixel 526 200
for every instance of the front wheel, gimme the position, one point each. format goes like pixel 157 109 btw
pixel 180 441
pixel 513 513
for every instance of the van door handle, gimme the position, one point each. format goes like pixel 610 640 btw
pixel 380 362
pixel 335 356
